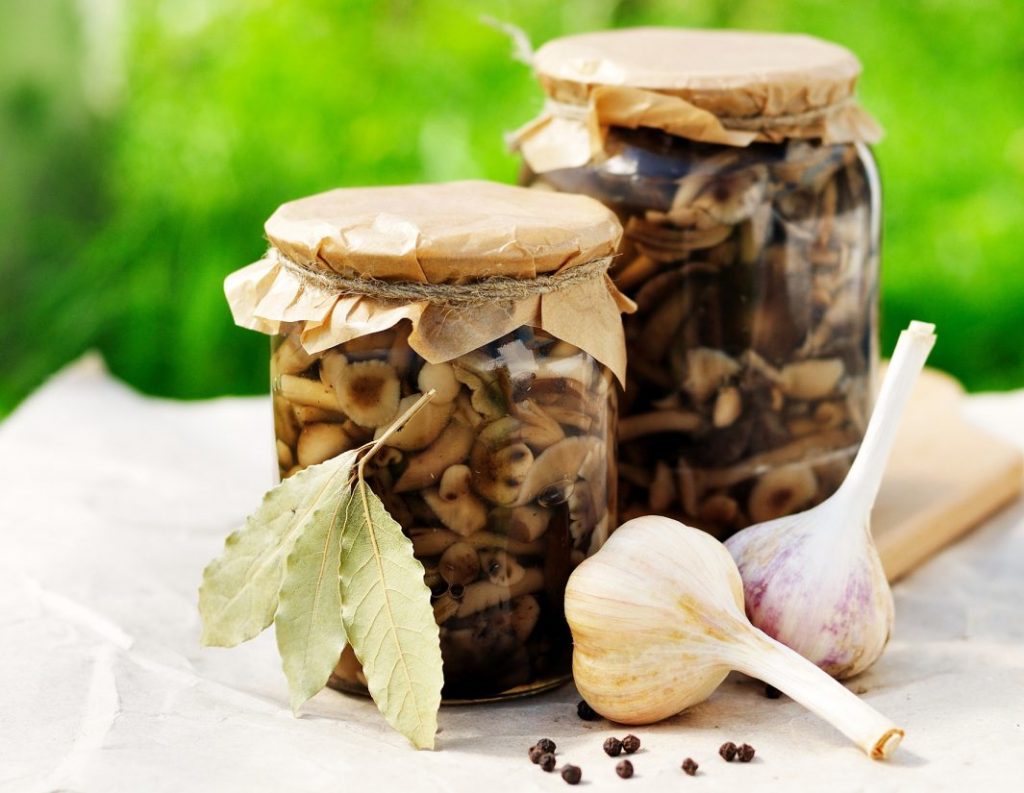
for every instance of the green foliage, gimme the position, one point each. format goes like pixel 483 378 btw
pixel 145 142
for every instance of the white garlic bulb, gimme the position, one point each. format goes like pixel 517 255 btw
pixel 657 623
pixel 814 580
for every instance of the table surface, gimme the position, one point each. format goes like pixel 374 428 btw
pixel 111 504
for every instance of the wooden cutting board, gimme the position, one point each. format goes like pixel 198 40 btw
pixel 944 478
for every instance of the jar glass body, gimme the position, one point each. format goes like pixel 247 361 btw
pixel 504 482
pixel 753 352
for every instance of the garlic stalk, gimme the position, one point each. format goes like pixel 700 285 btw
pixel 657 623
pixel 814 580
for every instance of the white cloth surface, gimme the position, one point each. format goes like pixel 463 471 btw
pixel 112 503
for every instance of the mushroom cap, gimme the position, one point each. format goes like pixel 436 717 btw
pixel 498 474
pixel 368 392
pixel 782 491
pixel 441 378
pixel 460 564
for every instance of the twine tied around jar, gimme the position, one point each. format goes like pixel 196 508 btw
pixel 486 290
pixel 755 123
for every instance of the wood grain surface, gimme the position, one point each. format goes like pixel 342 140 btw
pixel 944 478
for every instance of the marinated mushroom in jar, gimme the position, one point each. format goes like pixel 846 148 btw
pixel 751 353
pixel 501 482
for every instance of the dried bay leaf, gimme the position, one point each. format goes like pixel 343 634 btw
pixel 308 625
pixel 323 560
pixel 239 594
pixel 388 619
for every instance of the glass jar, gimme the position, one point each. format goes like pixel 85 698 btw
pixel 496 297
pixel 752 353
pixel 753 263
pixel 504 482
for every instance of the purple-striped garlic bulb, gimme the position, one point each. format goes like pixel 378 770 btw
pixel 814 580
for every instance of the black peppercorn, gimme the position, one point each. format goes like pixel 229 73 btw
pixel 630 744
pixel 745 753
pixel 572 774
pixel 535 754
pixel 771 691
pixel 690 767
pixel 585 712
pixel 547 761
pixel 613 747
pixel 624 769
pixel 546 745
pixel 728 751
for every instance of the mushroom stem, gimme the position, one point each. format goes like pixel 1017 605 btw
pixel 642 424
pixel 760 656
pixel 303 391
pixel 431 541
pixel 486 594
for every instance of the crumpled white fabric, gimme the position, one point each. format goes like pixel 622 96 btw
pixel 111 504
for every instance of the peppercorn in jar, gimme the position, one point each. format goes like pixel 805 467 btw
pixel 496 299
pixel 739 167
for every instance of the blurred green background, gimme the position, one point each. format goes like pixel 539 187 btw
pixel 143 143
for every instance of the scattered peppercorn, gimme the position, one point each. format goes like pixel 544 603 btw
pixel 535 754
pixel 585 712
pixel 613 747
pixel 690 767
pixel 630 744
pixel 771 691
pixel 624 769
pixel 547 761
pixel 546 745
pixel 745 753
pixel 572 774
pixel 728 751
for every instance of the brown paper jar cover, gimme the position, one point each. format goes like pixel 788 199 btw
pixel 715 86
pixel 455 233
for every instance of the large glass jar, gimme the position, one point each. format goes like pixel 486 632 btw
pixel 754 267
pixel 497 298
pixel 504 482
pixel 752 353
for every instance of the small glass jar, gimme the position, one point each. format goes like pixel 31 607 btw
pixel 753 351
pixel 505 480
pixel 501 482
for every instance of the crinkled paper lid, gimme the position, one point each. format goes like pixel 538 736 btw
pixel 715 86
pixel 454 233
